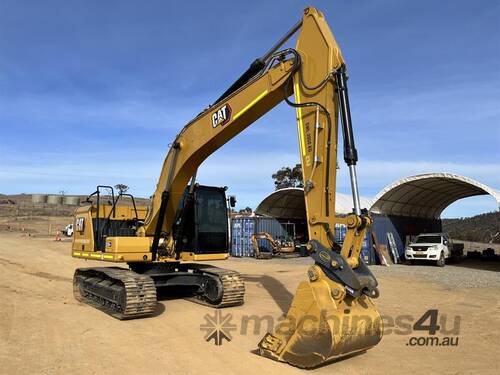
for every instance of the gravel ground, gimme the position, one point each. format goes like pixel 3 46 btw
pixel 470 273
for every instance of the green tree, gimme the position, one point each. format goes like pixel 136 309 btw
pixel 480 228
pixel 288 177
pixel 121 188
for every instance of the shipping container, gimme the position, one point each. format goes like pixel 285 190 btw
pixel 242 229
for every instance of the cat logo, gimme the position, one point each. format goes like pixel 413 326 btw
pixel 221 116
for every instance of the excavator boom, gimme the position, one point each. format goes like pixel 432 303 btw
pixel 331 315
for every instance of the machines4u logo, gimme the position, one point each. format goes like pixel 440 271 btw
pixel 218 327
pixel 221 116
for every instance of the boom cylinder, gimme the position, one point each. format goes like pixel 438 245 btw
pixel 259 63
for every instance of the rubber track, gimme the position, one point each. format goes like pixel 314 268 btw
pixel 134 294
pixel 233 286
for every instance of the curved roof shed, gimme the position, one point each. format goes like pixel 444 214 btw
pixel 289 204
pixel 427 195
pixel 423 196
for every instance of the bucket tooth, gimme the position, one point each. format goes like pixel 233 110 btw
pixel 323 324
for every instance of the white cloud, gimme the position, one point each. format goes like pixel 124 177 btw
pixel 246 173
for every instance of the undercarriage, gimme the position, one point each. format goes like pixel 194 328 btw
pixel 132 293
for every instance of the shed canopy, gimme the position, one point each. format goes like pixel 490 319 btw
pixel 423 195
pixel 427 195
pixel 289 204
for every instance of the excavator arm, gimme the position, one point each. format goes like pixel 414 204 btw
pixel 310 72
pixel 332 315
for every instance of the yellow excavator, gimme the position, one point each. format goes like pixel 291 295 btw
pixel 278 248
pixel 332 314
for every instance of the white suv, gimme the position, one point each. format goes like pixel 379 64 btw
pixel 435 247
pixel 68 230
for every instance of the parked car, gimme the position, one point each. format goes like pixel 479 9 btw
pixel 68 230
pixel 435 247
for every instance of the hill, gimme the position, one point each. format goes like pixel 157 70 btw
pixel 18 205
pixel 479 228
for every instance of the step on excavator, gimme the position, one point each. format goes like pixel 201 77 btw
pixel 332 314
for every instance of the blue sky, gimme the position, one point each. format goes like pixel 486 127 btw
pixel 93 92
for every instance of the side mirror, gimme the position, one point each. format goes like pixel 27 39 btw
pixel 232 201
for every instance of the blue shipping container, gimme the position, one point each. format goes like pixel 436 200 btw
pixel 242 229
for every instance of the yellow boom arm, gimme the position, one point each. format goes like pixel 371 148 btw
pixel 314 63
pixel 339 284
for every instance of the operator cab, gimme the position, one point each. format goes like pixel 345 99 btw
pixel 201 226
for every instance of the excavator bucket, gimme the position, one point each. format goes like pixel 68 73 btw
pixel 324 323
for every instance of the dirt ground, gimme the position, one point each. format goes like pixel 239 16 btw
pixel 38 226
pixel 43 330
